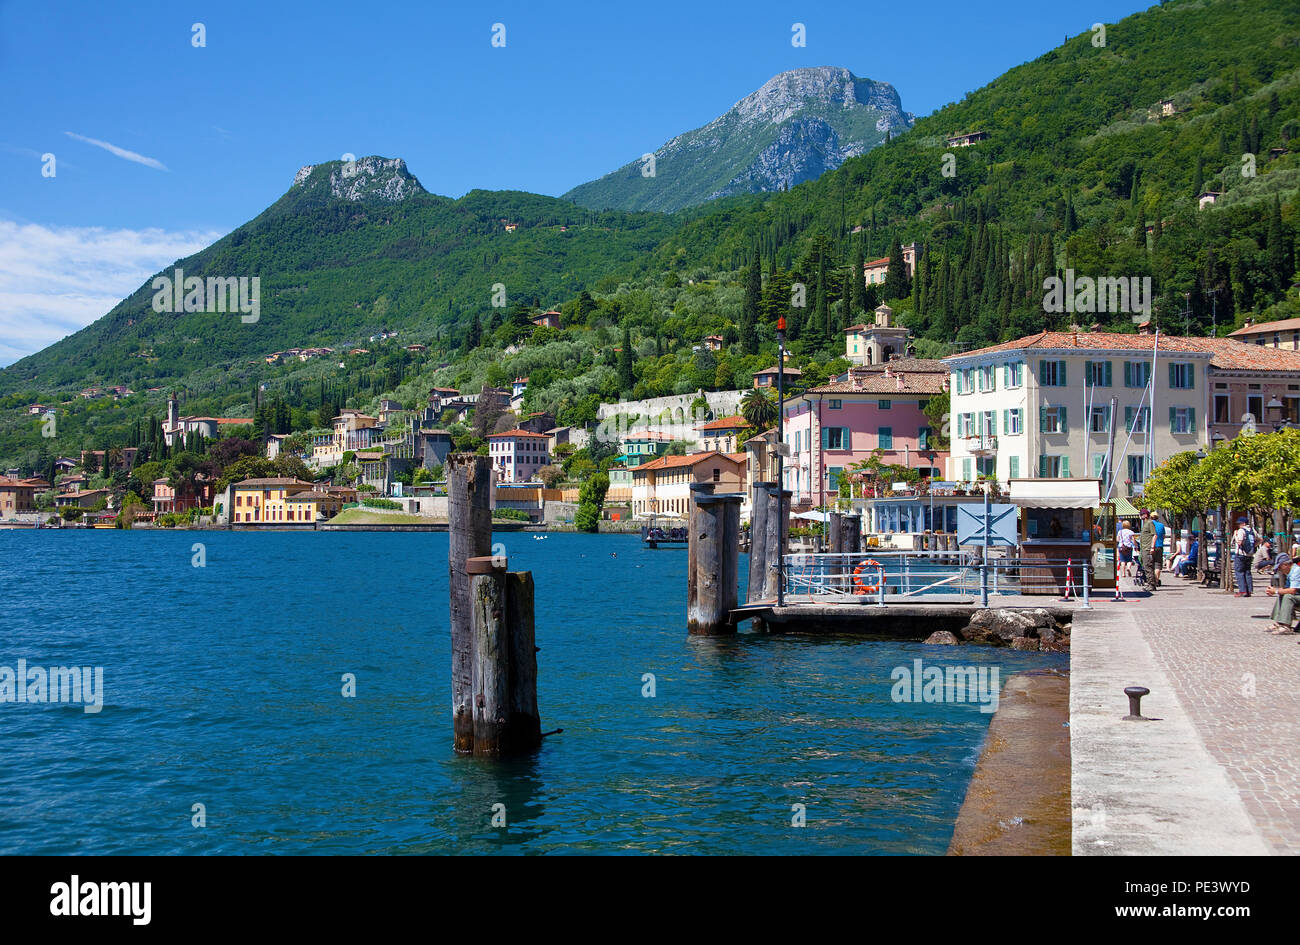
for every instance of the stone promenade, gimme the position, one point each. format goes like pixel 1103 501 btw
pixel 1219 772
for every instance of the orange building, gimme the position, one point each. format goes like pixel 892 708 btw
pixel 19 495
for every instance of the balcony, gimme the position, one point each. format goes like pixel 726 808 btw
pixel 981 446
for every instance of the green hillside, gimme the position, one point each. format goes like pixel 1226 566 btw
pixel 1080 170
pixel 334 271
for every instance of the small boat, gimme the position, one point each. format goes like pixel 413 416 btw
pixel 540 537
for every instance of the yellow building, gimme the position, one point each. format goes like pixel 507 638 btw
pixel 285 501
pixel 663 487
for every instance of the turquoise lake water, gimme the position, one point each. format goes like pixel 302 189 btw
pixel 223 688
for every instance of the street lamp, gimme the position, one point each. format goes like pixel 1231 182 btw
pixel 780 466
pixel 1274 408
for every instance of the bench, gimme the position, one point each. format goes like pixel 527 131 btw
pixel 1211 578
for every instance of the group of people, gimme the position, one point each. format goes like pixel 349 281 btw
pixel 1145 547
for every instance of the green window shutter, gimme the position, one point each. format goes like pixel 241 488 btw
pixel 1171 374
pixel 1042 467
pixel 1042 372
pixel 1006 375
pixel 1128 373
pixel 1014 467
pixel 965 469
pixel 1060 374
pixel 886 435
pixel 1096 465
pixel 1060 412
pixel 1191 377
pixel 1106 416
pixel 1042 419
pixel 826 436
pixel 845 442
pixel 1065 467
pixel 1106 371
pixel 1191 419
pixel 1006 422
pixel 1128 418
pixel 1173 418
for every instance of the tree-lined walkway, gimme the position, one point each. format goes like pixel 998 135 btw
pixel 1219 773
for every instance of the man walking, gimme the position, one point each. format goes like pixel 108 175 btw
pixel 1147 547
pixel 1158 553
pixel 1284 609
pixel 1243 554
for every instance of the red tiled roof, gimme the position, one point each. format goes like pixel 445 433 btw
pixel 691 459
pixel 273 481
pixel 1231 355
pixel 518 432
pixel 1088 340
pixel 725 423
pixel 789 371
pixel 919 382
pixel 1286 324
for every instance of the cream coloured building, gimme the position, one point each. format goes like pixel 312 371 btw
pixel 1044 406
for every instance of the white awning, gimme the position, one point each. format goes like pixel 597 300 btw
pixel 1055 493
pixel 815 516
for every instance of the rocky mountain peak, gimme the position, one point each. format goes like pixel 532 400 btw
pixel 369 178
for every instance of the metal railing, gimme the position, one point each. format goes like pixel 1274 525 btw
pixel 882 576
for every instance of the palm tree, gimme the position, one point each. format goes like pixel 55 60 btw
pixel 758 409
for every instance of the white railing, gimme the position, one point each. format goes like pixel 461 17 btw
pixel 880 576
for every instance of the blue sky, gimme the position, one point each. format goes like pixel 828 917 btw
pixel 194 141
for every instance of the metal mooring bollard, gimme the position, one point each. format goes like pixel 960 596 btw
pixel 1135 694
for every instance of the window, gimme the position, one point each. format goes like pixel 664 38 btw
pixel 1277 341
pixel 1097 373
pixel 836 404
pixel 965 381
pixel 965 424
pixel 1100 468
pixel 835 438
pixel 717 474
pixel 1255 407
pixel 1221 414
pixel 923 438
pixel 989 426
pixel 1013 421
pixel 1292 411
pixel 1051 420
pixel 1099 420
pixel 883 404
pixel 1013 374
pixel 1013 467
pixel 886 435
pixel 1137 469
pixel 1182 376
pixel 986 466
pixel 1051 373
pixel 1054 467
pixel 833 474
pixel 1137 373
pixel 988 378
pixel 1135 419
pixel 1182 419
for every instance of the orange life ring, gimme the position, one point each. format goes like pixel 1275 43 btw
pixel 863 587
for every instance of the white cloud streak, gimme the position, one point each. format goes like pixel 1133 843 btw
pixel 56 280
pixel 120 152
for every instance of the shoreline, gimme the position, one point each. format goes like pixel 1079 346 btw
pixel 1018 802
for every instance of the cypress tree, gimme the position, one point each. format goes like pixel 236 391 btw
pixel 626 378
pixel 750 305
pixel 1278 255
pixel 896 276
pixel 859 278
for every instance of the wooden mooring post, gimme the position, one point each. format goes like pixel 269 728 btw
pixel 851 534
pixel 777 539
pixel 757 541
pixel 506 720
pixel 713 564
pixel 493 638
pixel 469 527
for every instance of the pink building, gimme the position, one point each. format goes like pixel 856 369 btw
pixel 831 428
pixel 517 454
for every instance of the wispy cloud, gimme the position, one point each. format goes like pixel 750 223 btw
pixel 120 152
pixel 56 280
